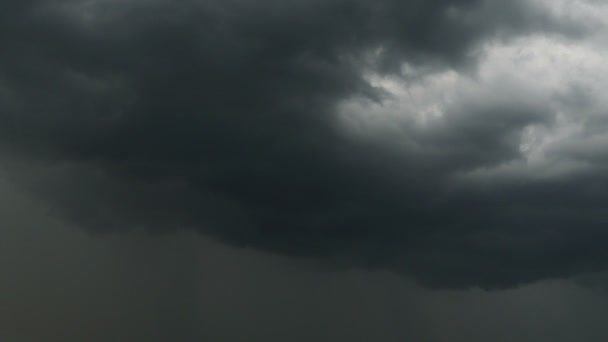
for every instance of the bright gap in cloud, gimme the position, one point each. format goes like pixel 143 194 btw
pixel 566 77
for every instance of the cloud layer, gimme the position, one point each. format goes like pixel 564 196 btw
pixel 461 142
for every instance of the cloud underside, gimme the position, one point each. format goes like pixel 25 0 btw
pixel 459 142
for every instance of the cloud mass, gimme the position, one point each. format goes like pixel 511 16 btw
pixel 461 142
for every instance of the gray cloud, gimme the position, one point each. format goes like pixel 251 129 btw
pixel 60 283
pixel 224 117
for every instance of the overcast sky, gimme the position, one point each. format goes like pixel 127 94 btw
pixel 304 170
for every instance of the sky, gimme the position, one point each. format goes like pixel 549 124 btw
pixel 327 170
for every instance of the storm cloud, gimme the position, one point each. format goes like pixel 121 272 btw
pixel 460 142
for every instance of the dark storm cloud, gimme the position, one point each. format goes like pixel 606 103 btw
pixel 221 116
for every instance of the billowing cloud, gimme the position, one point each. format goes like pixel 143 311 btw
pixel 459 141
